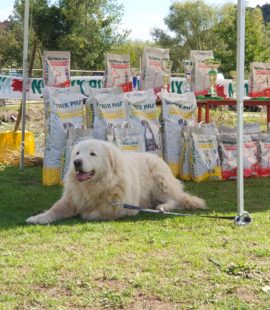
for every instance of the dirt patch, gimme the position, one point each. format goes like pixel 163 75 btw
pixel 8 117
pixel 246 294
pixel 51 291
pixel 115 285
pixel 151 303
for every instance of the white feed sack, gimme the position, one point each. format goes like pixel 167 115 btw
pixel 205 162
pixel 252 129
pixel 91 103
pixel 185 159
pixel 110 120
pixel 264 155
pixel 110 112
pixel 56 68
pixel 154 66
pixel 143 114
pixel 212 127
pixel 201 70
pixel 177 111
pixel 117 70
pixel 223 129
pixel 228 154
pixel 259 79
pixel 126 138
pixel 63 110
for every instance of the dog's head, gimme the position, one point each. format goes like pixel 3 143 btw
pixel 92 160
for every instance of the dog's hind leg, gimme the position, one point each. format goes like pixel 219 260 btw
pixel 183 201
pixel 172 196
pixel 169 191
pixel 167 206
pixel 188 201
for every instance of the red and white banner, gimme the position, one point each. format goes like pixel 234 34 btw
pixel 11 86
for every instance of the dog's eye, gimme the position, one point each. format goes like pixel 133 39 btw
pixel 93 154
pixel 77 153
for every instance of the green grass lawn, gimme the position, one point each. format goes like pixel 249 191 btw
pixel 146 262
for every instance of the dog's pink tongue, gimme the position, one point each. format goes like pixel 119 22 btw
pixel 82 176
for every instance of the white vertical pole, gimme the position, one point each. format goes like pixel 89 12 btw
pixel 240 98
pixel 25 76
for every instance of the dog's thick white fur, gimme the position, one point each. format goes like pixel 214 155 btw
pixel 100 175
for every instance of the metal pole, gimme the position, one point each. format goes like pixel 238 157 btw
pixel 25 76
pixel 240 97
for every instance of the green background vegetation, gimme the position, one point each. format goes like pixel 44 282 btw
pixel 90 28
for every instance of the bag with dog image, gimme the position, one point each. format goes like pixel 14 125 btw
pixel 91 102
pixel 143 114
pixel 185 160
pixel 118 72
pixel 177 111
pixel 264 155
pixel 228 154
pixel 259 81
pixel 205 162
pixel 63 110
pixel 223 129
pixel 154 66
pixel 201 70
pixel 126 138
pixel 56 68
pixel 252 129
pixel 110 111
pixel 212 127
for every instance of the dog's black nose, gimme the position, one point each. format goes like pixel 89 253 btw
pixel 78 164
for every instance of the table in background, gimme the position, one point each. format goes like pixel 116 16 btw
pixel 208 103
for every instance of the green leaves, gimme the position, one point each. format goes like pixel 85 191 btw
pixel 196 25
pixel 86 28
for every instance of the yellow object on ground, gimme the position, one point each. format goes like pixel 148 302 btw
pixel 10 146
pixel 51 176
pixel 175 167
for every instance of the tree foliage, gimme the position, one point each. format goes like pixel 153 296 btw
pixel 11 40
pixel 195 25
pixel 192 22
pixel 257 38
pixel 134 49
pixel 191 26
pixel 94 30
pixel 266 12
pixel 87 28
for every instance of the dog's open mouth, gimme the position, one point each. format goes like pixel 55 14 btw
pixel 83 176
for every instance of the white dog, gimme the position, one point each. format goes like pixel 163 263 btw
pixel 101 178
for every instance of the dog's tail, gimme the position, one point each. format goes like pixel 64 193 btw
pixel 188 201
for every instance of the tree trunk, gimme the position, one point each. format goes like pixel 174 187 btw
pixel 33 56
pixel 19 117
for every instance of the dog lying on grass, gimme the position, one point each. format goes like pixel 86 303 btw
pixel 101 178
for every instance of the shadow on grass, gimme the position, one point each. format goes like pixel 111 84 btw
pixel 22 195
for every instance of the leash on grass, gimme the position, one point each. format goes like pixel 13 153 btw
pixel 242 219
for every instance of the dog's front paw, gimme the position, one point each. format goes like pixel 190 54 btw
pixel 162 208
pixel 42 219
